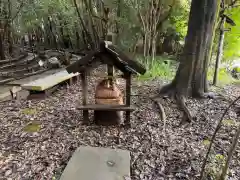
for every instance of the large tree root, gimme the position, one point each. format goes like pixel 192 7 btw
pixel 187 115
pixel 162 113
pixel 171 91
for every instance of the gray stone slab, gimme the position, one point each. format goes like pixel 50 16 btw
pixel 48 81
pixel 34 77
pixel 95 163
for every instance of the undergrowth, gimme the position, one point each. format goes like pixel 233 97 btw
pixel 160 67
pixel 224 78
pixel 164 68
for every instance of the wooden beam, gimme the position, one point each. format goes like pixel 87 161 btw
pixel 84 96
pixel 125 59
pixel 82 63
pixel 128 99
pixel 106 107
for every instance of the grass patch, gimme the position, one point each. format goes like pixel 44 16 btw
pixel 160 67
pixel 224 78
pixel 229 122
pixel 29 111
pixel 32 127
pixel 206 142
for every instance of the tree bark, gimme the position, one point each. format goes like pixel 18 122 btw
pixel 2 53
pixel 190 79
pixel 2 50
pixel 9 28
pixel 219 51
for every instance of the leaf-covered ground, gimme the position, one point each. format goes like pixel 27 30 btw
pixel 38 137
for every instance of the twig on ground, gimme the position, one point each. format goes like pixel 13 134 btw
pixel 214 136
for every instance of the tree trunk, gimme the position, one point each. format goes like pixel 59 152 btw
pixel 9 28
pixel 2 53
pixel 219 51
pixel 191 75
pixel 2 50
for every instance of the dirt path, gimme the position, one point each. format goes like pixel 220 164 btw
pixel 178 154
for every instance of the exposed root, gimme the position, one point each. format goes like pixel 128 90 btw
pixel 170 90
pixel 187 116
pixel 167 90
pixel 162 113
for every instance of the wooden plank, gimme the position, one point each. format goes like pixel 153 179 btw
pixel 34 77
pixel 96 163
pixel 48 81
pixel 106 107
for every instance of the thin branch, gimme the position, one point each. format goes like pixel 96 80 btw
pixel 214 136
pixel 230 154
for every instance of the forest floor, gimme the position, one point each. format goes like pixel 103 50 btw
pixel 175 154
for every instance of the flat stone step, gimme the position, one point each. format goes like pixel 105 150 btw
pixel 49 81
pixel 96 163
pixel 34 77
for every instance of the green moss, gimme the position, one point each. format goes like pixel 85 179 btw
pixel 29 111
pixel 206 142
pixel 32 127
pixel 229 122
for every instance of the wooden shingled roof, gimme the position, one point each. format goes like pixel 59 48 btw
pixel 107 54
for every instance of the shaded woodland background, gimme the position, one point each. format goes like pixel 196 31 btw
pixel 136 25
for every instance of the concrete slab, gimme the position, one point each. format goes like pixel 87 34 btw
pixel 95 163
pixel 48 81
pixel 34 77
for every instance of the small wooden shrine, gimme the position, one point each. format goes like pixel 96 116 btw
pixel 107 54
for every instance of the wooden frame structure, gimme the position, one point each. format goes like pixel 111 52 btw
pixel 110 55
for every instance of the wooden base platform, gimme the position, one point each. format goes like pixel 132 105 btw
pixel 107 115
pixel 106 107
